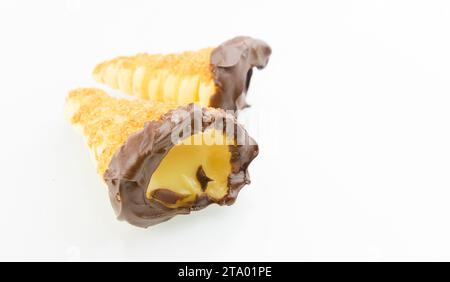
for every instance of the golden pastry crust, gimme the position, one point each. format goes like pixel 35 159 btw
pixel 107 122
pixel 180 78
pixel 189 63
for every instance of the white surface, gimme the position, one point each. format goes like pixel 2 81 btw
pixel 352 116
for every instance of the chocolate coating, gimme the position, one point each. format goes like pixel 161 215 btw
pixel 167 196
pixel 132 166
pixel 202 178
pixel 232 65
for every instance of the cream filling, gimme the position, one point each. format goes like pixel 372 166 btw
pixel 203 155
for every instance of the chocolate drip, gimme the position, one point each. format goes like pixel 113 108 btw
pixel 202 178
pixel 232 64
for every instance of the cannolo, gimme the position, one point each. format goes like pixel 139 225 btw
pixel 158 159
pixel 212 77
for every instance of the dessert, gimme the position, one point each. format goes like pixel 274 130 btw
pixel 212 77
pixel 161 159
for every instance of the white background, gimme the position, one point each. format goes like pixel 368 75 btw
pixel 352 116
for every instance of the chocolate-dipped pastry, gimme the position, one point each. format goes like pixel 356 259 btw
pixel 216 77
pixel 161 159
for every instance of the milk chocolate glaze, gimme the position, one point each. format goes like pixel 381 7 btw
pixel 167 196
pixel 132 166
pixel 232 64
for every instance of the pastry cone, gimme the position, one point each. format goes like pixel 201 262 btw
pixel 159 159
pixel 212 77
